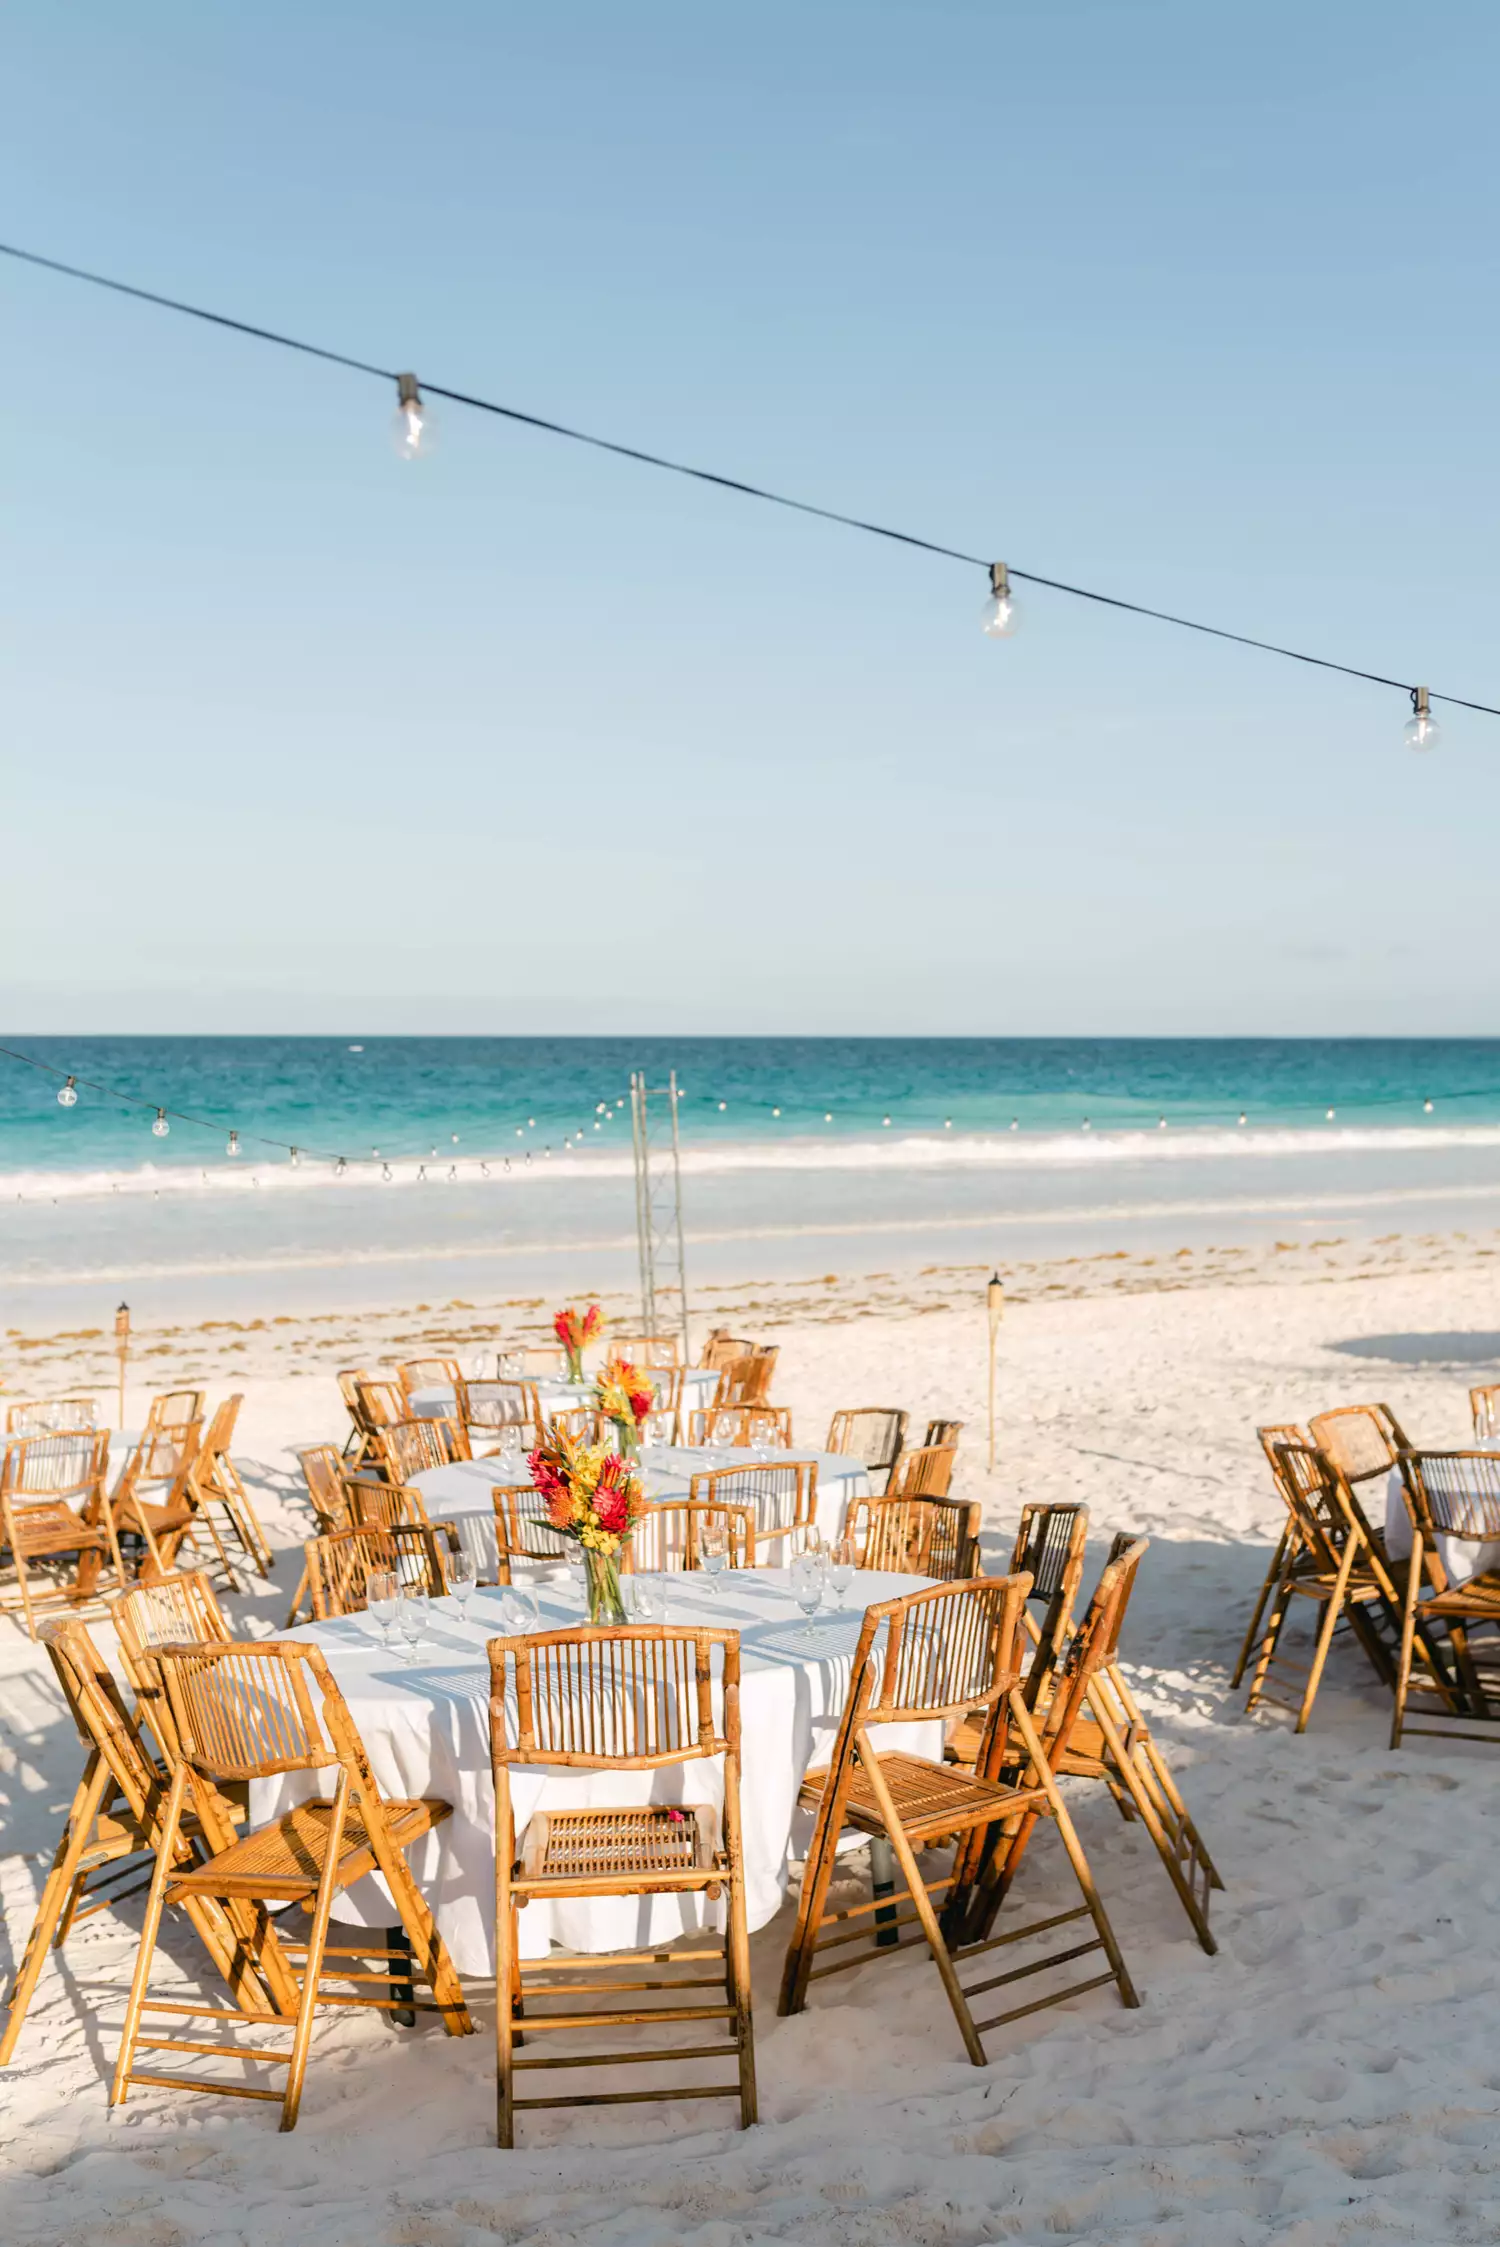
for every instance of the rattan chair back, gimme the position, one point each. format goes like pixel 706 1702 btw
pixel 429 1373
pixel 667 1536
pixel 53 1507
pixel 781 1497
pixel 942 1432
pixel 339 1567
pixel 874 1433
pixel 408 1448
pixel 639 1698
pixel 918 1536
pixel 723 1349
pixel 924 1473
pixel 322 1467
pixel 1484 1409
pixel 523 1530
pixel 1362 1440
pixel 500 1405
pixel 40 1416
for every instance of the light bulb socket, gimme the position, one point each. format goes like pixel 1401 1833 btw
pixel 407 391
pixel 1000 581
pixel 1419 705
pixel 234 1144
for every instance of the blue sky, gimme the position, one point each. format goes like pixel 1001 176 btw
pixel 1193 304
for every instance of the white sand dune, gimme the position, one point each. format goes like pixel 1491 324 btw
pixel 1333 2075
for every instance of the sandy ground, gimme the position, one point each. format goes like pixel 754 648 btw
pixel 1334 2074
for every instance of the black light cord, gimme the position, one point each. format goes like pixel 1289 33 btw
pixel 728 483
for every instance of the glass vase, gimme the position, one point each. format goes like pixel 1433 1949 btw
pixel 601 1576
pixel 627 1439
pixel 575 1361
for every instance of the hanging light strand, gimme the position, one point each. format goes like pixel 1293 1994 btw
pixel 411 400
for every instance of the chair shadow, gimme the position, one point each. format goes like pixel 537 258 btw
pixel 1423 1349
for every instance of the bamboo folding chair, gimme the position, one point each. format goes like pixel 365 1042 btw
pixel 177 1610
pixel 646 1700
pixel 339 1566
pixel 944 1652
pixel 579 1421
pixel 1484 1410
pixel 667 1535
pixel 742 1424
pixel 782 1497
pixel 872 1432
pixel 408 1448
pixel 1270 1437
pixel 54 1510
pixel 215 1481
pixel 1049 1550
pixel 428 1373
pixel 942 1432
pixel 1363 1441
pixel 174 1410
pixel 926 1472
pixel 165 1525
pixel 653 1353
pixel 723 1349
pixel 747 1380
pixel 1333 1561
pixel 382 1403
pixel 322 1467
pixel 240 1713
pixel 111 1830
pixel 540 1361
pixel 41 1416
pixel 1112 1742
pixel 350 1383
pixel 523 1530
pixel 936 1537
pixel 1450 1495
pixel 490 1407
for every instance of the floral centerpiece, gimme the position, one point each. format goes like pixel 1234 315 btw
pixel 573 1329
pixel 624 1395
pixel 595 1496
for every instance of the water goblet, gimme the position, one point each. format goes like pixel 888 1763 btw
pixel 382 1591
pixel 841 1564
pixel 713 1552
pixel 462 1576
pixel 807 1589
pixel 642 1598
pixel 412 1617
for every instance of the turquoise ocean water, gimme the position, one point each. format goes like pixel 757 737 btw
pixel 513 1155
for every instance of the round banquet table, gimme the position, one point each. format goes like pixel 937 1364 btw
pixel 461 1492
pixel 700 1385
pixel 425 1727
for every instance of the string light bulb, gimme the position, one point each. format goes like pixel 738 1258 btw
pixel 385 1172
pixel 412 428
pixel 234 1144
pixel 1427 1107
pixel 296 1158
pixel 340 1167
pixel 160 1127
pixel 1000 618
pixel 1422 730
pixel 68 1096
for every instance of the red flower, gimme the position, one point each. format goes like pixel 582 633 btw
pixel 562 1327
pixel 613 1509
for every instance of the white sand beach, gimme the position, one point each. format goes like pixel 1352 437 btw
pixel 1332 2075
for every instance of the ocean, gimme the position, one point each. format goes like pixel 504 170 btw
pixel 494 1164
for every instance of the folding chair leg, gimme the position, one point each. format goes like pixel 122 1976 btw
pixel 917 1888
pixel 1269 1643
pixel 1328 1621
pixel 1408 1633
pixel 1268 1585
pixel 428 1950
pixel 737 1959
pixel 1140 1795
pixel 166 1850
pixel 817 1876
pixel 299 1596
pixel 312 1963
pixel 85 1807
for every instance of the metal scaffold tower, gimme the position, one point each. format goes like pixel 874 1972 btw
pixel 658 1207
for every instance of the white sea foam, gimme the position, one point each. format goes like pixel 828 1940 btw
pixel 939 1151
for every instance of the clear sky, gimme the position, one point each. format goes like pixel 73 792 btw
pixel 1192 303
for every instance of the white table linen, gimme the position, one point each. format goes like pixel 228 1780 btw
pixel 425 1728
pixel 461 1492
pixel 1461 1557
pixel 700 1385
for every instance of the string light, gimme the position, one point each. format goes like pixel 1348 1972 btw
pixel 67 1096
pixel 160 1128
pixel 1000 619
pixel 340 1167
pixel 414 439
pixel 412 427
pixel 1242 1115
pixel 385 1173
pixel 1421 730
pixel 1427 1107
pixel 296 1158
pixel 234 1144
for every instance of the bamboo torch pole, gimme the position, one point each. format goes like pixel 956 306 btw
pixel 122 1352
pixel 995 1303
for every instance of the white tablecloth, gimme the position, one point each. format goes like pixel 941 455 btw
pixel 700 1385
pixel 461 1493
pixel 425 1728
pixel 1461 1556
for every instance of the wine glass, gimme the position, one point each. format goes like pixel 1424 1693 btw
pixel 510 1365
pixel 412 1617
pixel 713 1552
pixel 642 1598
pixel 841 1563
pixel 807 1588
pixel 521 1614
pixel 382 1590
pixel 510 1442
pixel 462 1576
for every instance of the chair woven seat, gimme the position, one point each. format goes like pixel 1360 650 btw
pixel 288 1857
pixel 51 1526
pixel 926 1794
pixel 588 1844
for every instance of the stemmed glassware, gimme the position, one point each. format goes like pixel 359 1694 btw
pixel 382 1592
pixel 412 1617
pixel 462 1576
pixel 644 1598
pixel 841 1565
pixel 713 1552
pixel 807 1587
